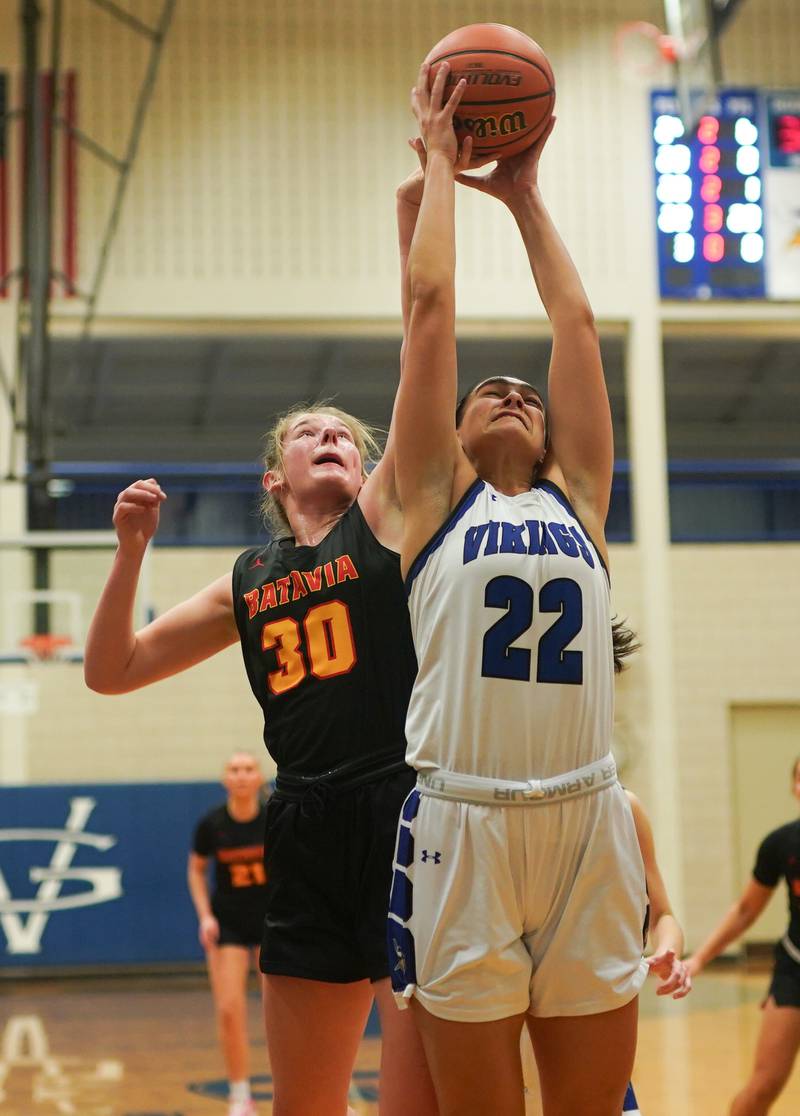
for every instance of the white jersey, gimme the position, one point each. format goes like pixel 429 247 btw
pixel 510 613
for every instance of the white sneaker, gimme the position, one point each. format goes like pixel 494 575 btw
pixel 242 1108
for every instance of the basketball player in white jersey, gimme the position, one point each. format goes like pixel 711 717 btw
pixel 519 890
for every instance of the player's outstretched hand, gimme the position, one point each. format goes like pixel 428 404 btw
pixel 136 513
pixel 675 977
pixel 435 115
pixel 208 932
pixel 693 965
pixel 512 178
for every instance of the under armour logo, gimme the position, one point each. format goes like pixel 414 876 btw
pixel 400 967
pixel 24 935
pixel 436 857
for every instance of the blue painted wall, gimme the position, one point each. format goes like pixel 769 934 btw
pixel 94 875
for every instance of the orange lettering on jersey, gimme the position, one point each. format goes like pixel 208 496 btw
pixel 299 583
pixel 345 568
pixel 268 597
pixel 298 589
pixel 313 578
pixel 248 875
pixel 240 854
pixel 795 887
pixel 251 600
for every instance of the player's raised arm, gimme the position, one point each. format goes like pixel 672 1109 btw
pixel 581 437
pixel 378 498
pixel 408 199
pixel 427 447
pixel 119 659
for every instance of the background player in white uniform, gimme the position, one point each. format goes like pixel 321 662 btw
pixel 505 914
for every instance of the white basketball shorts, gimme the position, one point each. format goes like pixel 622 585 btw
pixel 499 910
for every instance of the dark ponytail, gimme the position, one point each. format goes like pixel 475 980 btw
pixel 624 642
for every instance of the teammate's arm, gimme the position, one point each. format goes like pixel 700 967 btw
pixel 581 436
pixel 666 935
pixel 197 879
pixel 741 915
pixel 119 659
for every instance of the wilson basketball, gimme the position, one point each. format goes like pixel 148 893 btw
pixel 510 90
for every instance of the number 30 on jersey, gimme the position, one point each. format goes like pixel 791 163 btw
pixel 324 647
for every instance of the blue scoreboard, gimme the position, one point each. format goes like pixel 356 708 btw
pixel 717 235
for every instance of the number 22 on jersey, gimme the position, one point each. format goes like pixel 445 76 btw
pixel 329 645
pixel 553 662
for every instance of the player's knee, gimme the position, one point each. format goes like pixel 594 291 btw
pixel 767 1084
pixel 230 1010
pixel 602 1102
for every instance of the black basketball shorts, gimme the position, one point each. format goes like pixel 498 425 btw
pixel 328 861
pixel 785 986
pixel 239 927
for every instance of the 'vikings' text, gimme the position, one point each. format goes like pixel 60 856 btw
pixel 533 537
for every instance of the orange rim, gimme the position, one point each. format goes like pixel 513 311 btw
pixel 44 645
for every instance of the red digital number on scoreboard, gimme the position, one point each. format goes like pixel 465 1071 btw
pixel 787 134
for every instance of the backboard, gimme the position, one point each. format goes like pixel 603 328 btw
pixel 48 624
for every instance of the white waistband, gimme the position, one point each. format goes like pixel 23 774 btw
pixel 532 792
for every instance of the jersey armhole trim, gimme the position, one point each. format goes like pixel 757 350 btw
pixel 561 496
pixel 436 540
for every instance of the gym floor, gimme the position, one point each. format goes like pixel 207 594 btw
pixel 146 1046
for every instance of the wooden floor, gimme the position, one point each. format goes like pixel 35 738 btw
pixel 146 1047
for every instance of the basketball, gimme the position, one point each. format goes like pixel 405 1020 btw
pixel 510 90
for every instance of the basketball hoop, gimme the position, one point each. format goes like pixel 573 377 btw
pixel 44 646
pixel 642 49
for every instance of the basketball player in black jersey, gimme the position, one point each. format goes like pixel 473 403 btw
pixel 230 920
pixel 324 629
pixel 778 857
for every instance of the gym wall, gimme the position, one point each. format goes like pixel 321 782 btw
pixel 264 190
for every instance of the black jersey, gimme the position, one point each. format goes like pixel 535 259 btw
pixel 327 645
pixel 779 855
pixel 238 851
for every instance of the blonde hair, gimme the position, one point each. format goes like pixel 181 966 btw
pixel 364 437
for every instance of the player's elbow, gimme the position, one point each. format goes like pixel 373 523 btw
pixel 576 315
pixel 431 290
pixel 101 683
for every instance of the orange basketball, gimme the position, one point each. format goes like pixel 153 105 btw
pixel 510 89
